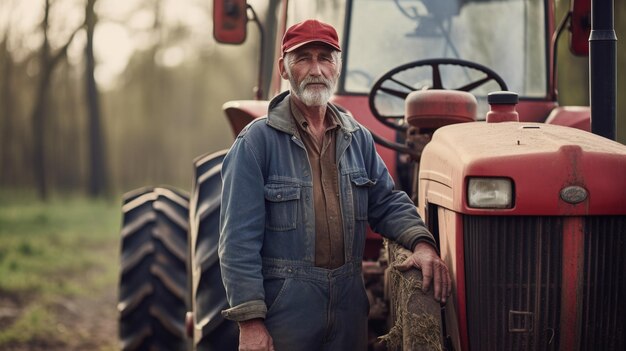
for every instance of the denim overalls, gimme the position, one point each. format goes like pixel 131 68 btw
pixel 267 238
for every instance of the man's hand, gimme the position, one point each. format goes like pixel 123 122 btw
pixel 253 336
pixel 425 258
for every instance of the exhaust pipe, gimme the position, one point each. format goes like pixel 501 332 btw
pixel 602 69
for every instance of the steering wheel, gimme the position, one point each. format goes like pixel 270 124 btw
pixel 399 82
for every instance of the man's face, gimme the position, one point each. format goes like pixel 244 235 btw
pixel 312 71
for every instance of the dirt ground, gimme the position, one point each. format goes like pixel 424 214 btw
pixel 83 323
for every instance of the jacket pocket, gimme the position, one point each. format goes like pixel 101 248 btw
pixel 360 192
pixel 281 207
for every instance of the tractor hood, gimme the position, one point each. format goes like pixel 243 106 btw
pixel 553 170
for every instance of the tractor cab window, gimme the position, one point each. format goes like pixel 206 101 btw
pixel 507 36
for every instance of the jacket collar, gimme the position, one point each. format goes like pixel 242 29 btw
pixel 279 116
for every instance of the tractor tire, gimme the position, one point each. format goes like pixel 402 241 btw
pixel 153 276
pixel 208 296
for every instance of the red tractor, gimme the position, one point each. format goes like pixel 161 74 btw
pixel 527 206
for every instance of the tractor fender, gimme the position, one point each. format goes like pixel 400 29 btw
pixel 571 116
pixel 242 112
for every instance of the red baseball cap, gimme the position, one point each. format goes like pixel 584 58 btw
pixel 307 32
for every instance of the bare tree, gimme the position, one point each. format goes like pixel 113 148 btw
pixel 97 178
pixel 48 62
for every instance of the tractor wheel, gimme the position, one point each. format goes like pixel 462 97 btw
pixel 153 277
pixel 212 331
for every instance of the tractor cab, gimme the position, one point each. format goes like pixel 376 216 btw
pixel 392 48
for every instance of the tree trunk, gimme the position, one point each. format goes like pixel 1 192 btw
pixel 6 101
pixel 39 113
pixel 97 170
pixel 6 142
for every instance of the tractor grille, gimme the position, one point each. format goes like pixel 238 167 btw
pixel 513 280
pixel 604 289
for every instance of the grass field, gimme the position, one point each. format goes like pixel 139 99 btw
pixel 58 273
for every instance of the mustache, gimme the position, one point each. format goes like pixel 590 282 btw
pixel 315 80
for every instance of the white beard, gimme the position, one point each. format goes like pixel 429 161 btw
pixel 312 96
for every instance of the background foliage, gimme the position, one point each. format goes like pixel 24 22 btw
pixel 158 112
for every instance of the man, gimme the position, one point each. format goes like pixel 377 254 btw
pixel 300 186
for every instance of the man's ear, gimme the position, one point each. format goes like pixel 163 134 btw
pixel 281 68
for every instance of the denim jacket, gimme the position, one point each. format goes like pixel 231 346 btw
pixel 267 214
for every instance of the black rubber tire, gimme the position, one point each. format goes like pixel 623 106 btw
pixel 211 330
pixel 153 275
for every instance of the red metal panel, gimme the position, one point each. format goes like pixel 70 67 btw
pixel 541 160
pixel 242 112
pixel 571 116
pixel 460 292
pixel 573 245
pixel 534 111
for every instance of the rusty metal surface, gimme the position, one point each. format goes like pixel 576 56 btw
pixel 545 283
pixel 513 282
pixel 603 326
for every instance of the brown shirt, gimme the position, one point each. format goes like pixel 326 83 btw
pixel 329 247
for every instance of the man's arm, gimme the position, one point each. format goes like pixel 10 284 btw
pixel 242 228
pixel 393 214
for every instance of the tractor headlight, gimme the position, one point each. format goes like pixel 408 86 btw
pixel 490 193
